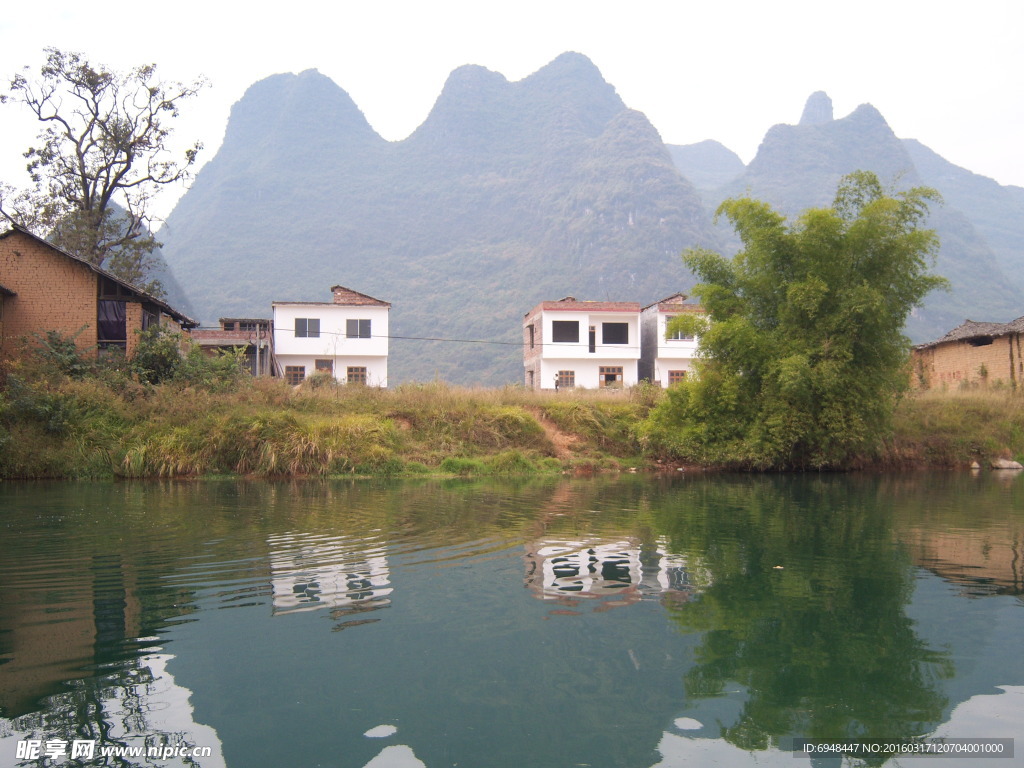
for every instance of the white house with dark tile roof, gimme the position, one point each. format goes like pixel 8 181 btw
pixel 346 338
pixel 570 343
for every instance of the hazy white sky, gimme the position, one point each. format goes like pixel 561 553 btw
pixel 950 74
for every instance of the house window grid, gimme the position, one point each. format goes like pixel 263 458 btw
pixel 324 366
pixel 294 374
pixel 606 371
pixel 307 327
pixel 676 377
pixel 357 329
pixel 356 374
pixel 566 379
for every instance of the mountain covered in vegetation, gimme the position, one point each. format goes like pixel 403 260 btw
pixel 512 193
pixel 507 195
pixel 979 223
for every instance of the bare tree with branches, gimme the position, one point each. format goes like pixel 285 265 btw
pixel 103 155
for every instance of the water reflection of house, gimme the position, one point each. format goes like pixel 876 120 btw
pixel 987 563
pixel 59 633
pixel 77 637
pixel 346 576
pixel 618 572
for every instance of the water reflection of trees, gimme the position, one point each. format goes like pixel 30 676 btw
pixel 805 609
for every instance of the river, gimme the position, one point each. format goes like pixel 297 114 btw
pixel 622 621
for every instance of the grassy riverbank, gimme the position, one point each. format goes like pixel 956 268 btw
pixel 111 425
pixel 57 426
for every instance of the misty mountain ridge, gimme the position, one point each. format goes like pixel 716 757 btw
pixel 511 193
pixel 979 224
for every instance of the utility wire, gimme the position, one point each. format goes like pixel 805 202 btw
pixel 560 344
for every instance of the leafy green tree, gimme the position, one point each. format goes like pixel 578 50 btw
pixel 103 154
pixel 805 357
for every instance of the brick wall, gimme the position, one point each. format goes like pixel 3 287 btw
pixel 959 363
pixel 531 354
pixel 53 293
pixel 133 324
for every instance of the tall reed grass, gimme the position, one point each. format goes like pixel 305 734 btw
pixel 57 426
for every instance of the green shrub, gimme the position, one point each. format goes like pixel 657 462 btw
pixel 510 463
pixel 61 354
pixel 454 465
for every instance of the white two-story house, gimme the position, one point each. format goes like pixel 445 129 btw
pixel 666 360
pixel 591 344
pixel 346 338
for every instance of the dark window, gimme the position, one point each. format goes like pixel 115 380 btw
pixel 228 326
pixel 108 289
pixel 532 340
pixel 247 326
pixel 324 366
pixel 307 327
pixel 676 377
pixel 566 379
pixel 294 374
pixel 980 341
pixel 615 333
pixel 112 330
pixel 565 330
pixel 356 374
pixel 357 329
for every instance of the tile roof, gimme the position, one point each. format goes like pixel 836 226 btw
pixel 569 304
pixel 676 303
pixel 185 320
pixel 342 297
pixel 970 329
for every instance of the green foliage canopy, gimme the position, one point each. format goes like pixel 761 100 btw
pixel 805 357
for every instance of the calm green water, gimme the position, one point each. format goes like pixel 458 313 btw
pixel 627 622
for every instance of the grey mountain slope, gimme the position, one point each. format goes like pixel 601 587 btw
pixel 997 212
pixel 817 110
pixel 708 164
pixel 511 193
pixel 507 195
pixel 798 166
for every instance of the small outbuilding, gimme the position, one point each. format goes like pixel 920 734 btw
pixel 46 288
pixel 972 354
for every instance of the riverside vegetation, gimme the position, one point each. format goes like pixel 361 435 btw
pixel 64 414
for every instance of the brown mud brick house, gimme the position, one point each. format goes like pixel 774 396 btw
pixel 972 354
pixel 48 289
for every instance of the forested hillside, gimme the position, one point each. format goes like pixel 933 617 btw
pixel 508 194
pixel 512 193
